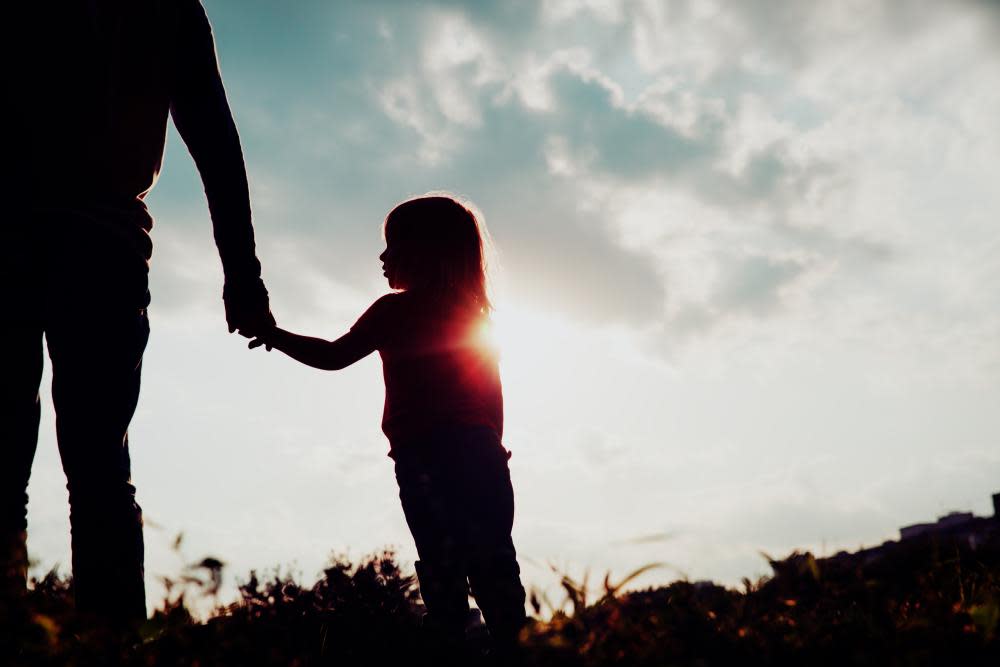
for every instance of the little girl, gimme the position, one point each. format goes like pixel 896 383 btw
pixel 443 411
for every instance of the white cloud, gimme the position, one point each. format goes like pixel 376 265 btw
pixel 562 160
pixel 403 101
pixel 694 38
pixel 754 129
pixel 458 61
pixel 561 10
pixel 532 84
pixel 681 110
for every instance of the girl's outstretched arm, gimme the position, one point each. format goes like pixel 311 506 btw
pixel 322 354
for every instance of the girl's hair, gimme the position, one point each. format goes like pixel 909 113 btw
pixel 443 245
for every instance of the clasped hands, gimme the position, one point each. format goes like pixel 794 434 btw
pixel 250 316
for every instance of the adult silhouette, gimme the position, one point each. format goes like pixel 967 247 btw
pixel 90 85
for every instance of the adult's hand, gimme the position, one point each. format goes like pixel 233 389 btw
pixel 247 309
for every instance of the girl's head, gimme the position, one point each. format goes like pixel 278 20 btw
pixel 436 244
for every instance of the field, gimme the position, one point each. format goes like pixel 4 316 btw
pixel 932 601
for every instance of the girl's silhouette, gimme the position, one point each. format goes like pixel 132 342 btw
pixel 443 411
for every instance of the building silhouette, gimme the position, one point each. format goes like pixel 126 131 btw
pixel 954 527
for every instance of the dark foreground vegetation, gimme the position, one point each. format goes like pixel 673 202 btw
pixel 924 602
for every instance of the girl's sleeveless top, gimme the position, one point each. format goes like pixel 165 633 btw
pixel 439 366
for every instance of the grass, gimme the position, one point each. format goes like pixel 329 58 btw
pixel 925 602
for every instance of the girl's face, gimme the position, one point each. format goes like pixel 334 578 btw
pixel 391 259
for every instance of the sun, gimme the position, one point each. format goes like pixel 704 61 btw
pixel 531 343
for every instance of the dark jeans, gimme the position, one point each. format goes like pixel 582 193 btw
pixel 85 291
pixel 459 504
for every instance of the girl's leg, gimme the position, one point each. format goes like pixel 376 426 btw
pixel 493 570
pixel 440 568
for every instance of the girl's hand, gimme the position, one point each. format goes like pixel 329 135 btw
pixel 257 342
pixel 266 339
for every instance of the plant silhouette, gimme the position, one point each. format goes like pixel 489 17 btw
pixel 929 602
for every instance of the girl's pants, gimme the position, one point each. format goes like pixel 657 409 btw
pixel 459 504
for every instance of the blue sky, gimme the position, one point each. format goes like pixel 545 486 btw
pixel 748 284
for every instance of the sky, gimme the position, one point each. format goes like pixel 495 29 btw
pixel 747 279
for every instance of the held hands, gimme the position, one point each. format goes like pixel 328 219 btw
pixel 247 309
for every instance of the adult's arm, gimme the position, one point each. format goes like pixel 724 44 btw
pixel 202 115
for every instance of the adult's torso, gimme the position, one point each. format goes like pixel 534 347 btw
pixel 90 98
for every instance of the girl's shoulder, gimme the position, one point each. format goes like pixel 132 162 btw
pixel 417 306
pixel 380 315
pixel 394 309
pixel 388 300
pixel 408 300
pixel 392 302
